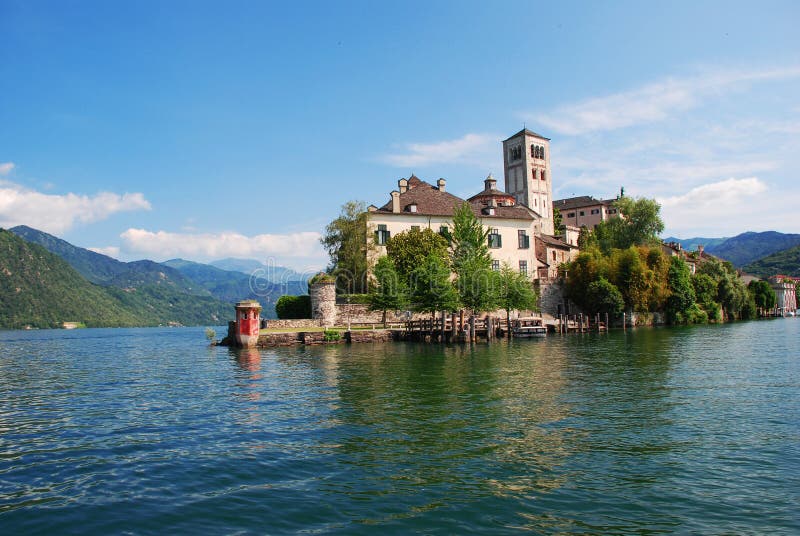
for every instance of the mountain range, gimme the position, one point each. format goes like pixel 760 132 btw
pixel 131 293
pixel 744 249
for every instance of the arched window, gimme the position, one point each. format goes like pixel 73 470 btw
pixel 533 151
pixel 541 152
pixel 542 175
pixel 533 173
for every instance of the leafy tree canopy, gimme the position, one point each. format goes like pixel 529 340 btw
pixel 345 240
pixel 409 249
pixel 431 288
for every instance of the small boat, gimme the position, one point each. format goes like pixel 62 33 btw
pixel 528 327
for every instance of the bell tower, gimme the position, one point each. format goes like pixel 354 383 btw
pixel 526 162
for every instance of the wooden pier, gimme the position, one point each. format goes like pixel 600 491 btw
pixel 458 328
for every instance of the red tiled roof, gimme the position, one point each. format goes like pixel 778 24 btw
pixel 431 201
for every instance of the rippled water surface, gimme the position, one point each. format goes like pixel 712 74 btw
pixel 650 431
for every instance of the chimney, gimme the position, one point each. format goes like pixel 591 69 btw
pixel 440 184
pixel 490 183
pixel 395 201
pixel 402 184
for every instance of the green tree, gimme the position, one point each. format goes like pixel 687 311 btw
pixel 632 277
pixel 471 260
pixel 345 240
pixel 588 267
pixel 431 288
pixel 681 298
pixel 763 295
pixel 640 224
pixel 409 249
pixel 602 296
pixel 389 292
pixel 557 219
pixel 705 291
pixel 513 291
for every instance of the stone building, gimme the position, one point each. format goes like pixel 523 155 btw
pixel 526 164
pixel 419 204
pixel 519 219
pixel 585 211
pixel 785 294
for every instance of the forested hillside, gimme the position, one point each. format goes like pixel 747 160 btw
pixel 40 289
pixel 786 262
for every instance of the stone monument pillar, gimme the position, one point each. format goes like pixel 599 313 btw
pixel 248 321
pixel 323 300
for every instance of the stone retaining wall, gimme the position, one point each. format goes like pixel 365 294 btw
pixel 301 323
pixel 268 340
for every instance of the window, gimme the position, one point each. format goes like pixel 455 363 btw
pixel 445 232
pixel 523 267
pixel 494 239
pixel 595 211
pixel 581 213
pixel 533 174
pixel 523 239
pixel 415 227
pixel 515 153
pixel 534 152
pixel 571 215
pixel 612 211
pixel 382 235
pixel 542 176
pixel 412 207
pixel 554 255
pixel 496 266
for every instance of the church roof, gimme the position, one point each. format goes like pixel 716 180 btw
pixel 431 201
pixel 580 202
pixel 529 133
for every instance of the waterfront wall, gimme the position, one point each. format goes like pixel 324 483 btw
pixel 270 340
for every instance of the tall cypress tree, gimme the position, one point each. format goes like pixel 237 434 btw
pixel 472 261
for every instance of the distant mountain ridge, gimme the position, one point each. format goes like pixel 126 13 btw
pixel 744 248
pixel 104 270
pixel 40 289
pixel 174 280
pixel 786 262
pixel 233 286
pixel 690 244
pixel 276 274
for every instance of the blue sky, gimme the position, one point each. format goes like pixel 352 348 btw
pixel 208 130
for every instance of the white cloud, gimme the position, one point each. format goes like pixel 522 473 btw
pixel 164 245
pixel 652 102
pixel 470 147
pixel 5 168
pixel 723 205
pixel 110 251
pixel 58 213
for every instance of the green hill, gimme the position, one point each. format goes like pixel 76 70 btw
pixel 748 247
pixel 104 270
pixel 233 286
pixel 40 289
pixel 786 262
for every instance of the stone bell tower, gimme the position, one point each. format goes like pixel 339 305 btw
pixel 526 162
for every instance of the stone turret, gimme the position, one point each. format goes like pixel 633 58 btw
pixel 322 290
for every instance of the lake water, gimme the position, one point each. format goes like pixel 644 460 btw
pixel 686 430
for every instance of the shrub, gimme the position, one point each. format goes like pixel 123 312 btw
pixel 331 335
pixel 293 307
